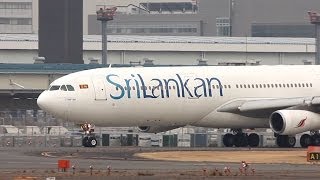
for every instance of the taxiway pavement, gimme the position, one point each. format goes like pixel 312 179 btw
pixel 123 159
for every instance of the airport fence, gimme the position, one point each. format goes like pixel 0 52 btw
pixel 35 128
pixel 40 141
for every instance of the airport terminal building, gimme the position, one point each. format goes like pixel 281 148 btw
pixel 240 18
pixel 170 50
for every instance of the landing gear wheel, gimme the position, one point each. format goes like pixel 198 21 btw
pixel 286 141
pixel 280 141
pixel 305 140
pixel 228 140
pixel 85 141
pixel 92 142
pixel 291 141
pixel 241 140
pixel 316 140
pixel 253 140
pixel 89 140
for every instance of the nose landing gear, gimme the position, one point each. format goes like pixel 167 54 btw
pixel 89 140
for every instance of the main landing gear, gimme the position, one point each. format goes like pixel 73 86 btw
pixel 285 141
pixel 89 139
pixel 240 139
pixel 310 140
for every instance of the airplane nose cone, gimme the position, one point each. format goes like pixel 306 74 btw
pixel 53 104
pixel 42 101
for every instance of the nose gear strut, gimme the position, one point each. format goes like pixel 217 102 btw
pixel 89 139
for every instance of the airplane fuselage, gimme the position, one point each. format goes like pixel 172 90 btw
pixel 174 96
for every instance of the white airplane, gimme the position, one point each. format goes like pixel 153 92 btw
pixel 285 98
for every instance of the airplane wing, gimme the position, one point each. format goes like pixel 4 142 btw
pixel 264 107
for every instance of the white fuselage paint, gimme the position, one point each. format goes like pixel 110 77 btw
pixel 96 105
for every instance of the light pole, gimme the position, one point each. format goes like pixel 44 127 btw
pixel 104 15
pixel 315 19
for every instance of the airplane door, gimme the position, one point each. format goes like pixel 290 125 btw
pixel 99 88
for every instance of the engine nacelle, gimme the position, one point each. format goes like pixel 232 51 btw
pixel 156 129
pixel 291 122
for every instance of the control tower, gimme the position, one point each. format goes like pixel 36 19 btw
pixel 315 19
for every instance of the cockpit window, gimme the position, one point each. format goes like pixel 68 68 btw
pixel 63 88
pixel 54 88
pixel 70 88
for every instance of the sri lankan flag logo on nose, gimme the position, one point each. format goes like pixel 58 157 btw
pixel 83 86
pixel 301 123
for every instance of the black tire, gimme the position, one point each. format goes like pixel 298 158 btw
pixel 291 141
pixel 253 140
pixel 92 142
pixel 285 141
pixel 279 141
pixel 316 140
pixel 305 140
pixel 228 140
pixel 85 141
pixel 241 140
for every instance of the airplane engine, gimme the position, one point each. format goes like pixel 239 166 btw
pixel 156 129
pixel 291 122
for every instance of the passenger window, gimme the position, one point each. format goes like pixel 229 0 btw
pixel 279 85
pixel 237 86
pixel 307 85
pixel 229 86
pixel 244 86
pixel 268 85
pixel 272 85
pixel 302 84
pixel 225 86
pixel 71 88
pixel 257 86
pixel 260 85
pixel 299 85
pixel 63 88
pixel 54 88
pixel 240 86
pixel 310 84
